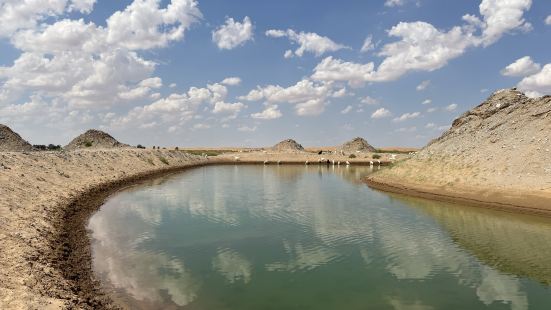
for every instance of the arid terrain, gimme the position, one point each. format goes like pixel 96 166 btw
pixel 496 154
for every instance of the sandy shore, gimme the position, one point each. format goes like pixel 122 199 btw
pixel 46 199
pixel 450 180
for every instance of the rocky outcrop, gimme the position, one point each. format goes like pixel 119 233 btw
pixel 497 152
pixel 10 141
pixel 357 145
pixel 95 139
pixel 288 145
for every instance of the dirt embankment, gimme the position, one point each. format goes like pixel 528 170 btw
pixel 45 200
pixel 496 155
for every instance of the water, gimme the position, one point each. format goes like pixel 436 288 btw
pixel 295 237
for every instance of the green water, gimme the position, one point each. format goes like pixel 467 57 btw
pixel 295 237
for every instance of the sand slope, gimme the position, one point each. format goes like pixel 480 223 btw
pixel 37 201
pixel 497 153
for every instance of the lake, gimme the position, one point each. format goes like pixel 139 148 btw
pixel 311 237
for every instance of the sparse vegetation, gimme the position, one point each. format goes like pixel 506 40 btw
pixel 87 143
pixel 49 147
pixel 140 146
pixel 150 161
pixel 376 156
pixel 352 156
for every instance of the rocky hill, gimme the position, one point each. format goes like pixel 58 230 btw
pixel 10 141
pixel 357 144
pixel 96 139
pixel 288 145
pixel 501 146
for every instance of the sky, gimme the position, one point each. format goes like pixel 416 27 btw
pixel 252 73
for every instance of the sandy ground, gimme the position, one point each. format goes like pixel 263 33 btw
pixel 46 199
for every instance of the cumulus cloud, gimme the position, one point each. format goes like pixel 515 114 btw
pixel 407 116
pixel 548 20
pixel 381 113
pixel 83 65
pixel 270 112
pixel 538 84
pixel 427 101
pixel 423 47
pixel 423 85
pixel 176 110
pixel 231 81
pixel 521 67
pixel 307 96
pixel 308 42
pixel 233 33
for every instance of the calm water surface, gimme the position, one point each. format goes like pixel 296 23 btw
pixel 295 237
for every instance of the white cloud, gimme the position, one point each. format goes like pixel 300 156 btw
pixel 538 84
pixel 231 81
pixel 339 93
pixel 367 100
pixel 452 107
pixel 144 25
pixel 368 44
pixel 346 110
pixel 308 42
pixel 423 85
pixel 233 33
pixel 270 112
pixel 407 116
pixel 423 47
pixel 310 107
pixel 247 129
pixel 228 108
pixel 427 101
pixel 381 113
pixel 73 64
pixel 430 126
pixel 308 97
pixel 548 20
pixel 393 3
pixel 501 17
pixel 521 67
pixel 431 110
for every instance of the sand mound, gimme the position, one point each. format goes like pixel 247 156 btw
pixel 12 142
pixel 288 145
pixel 94 139
pixel 357 144
pixel 502 143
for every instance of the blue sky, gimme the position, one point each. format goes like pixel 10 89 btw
pixel 152 72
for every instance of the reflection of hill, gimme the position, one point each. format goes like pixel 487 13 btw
pixel 512 243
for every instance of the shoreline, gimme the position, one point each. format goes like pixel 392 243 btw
pixel 46 259
pixel 56 263
pixel 490 198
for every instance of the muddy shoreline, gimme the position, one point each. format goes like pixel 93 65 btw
pixel 73 248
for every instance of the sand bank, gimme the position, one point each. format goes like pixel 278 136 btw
pixel 45 201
